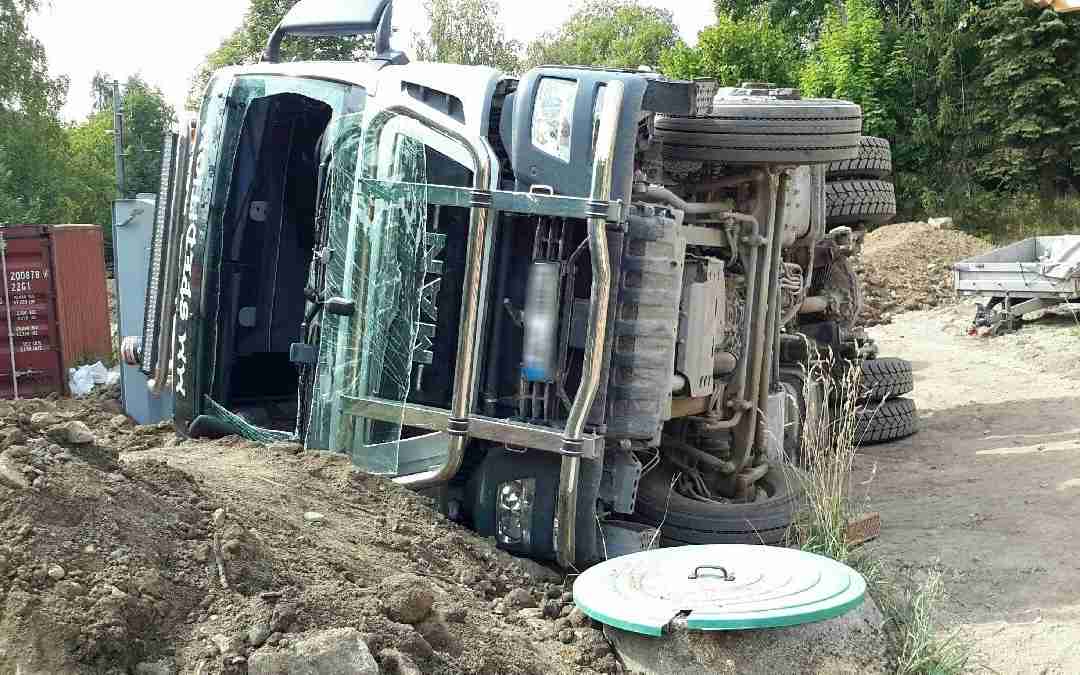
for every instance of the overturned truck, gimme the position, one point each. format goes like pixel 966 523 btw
pixel 564 305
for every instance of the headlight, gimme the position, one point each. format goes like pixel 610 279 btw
pixel 553 113
pixel 513 512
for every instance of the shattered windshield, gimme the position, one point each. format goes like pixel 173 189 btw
pixel 390 252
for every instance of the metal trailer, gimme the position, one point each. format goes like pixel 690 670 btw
pixel 1024 277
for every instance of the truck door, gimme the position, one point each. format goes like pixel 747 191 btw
pixel 401 261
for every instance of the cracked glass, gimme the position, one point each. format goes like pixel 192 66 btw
pixel 383 254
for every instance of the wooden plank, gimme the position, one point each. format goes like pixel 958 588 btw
pixel 866 527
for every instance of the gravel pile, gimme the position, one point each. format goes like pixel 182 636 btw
pixel 908 266
pixel 136 552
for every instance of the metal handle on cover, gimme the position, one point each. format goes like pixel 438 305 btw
pixel 694 574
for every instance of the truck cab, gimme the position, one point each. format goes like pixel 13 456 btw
pixel 523 295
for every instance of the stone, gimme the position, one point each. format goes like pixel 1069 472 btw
pixel 119 421
pixel 578 618
pixel 226 645
pixel 552 609
pixel 519 598
pixel 566 636
pixel 43 420
pixel 11 476
pixel 283 616
pixel 313 517
pixel 407 598
pixel 329 652
pixel 56 573
pixel 395 663
pixel 438 635
pixel 258 634
pixel 74 432
pixel 414 644
pixel 942 223
pixel 12 437
pixel 69 589
pixel 456 615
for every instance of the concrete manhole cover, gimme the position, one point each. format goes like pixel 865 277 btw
pixel 718 587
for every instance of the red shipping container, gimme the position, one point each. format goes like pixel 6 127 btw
pixel 54 309
pixel 30 364
pixel 82 296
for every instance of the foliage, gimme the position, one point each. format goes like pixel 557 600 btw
pixel 92 172
pixel 147 116
pixel 1029 102
pixel 848 63
pixel 748 47
pixel 467 32
pixel 609 34
pixel 921 649
pixel 247 43
pixel 801 18
pixel 32 143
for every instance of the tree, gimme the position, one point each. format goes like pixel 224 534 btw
pixel 147 117
pixel 247 42
pixel 92 171
pixel 609 34
pixel 847 63
pixel 467 32
pixel 738 49
pixel 799 18
pixel 32 144
pixel 1029 93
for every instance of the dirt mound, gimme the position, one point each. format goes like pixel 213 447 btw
pixel 128 551
pixel 908 266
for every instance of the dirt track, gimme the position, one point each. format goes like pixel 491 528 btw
pixel 989 491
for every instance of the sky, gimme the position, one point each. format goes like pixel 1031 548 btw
pixel 165 42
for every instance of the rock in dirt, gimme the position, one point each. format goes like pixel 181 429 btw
pixel 119 421
pixel 259 634
pixel 314 517
pixel 578 618
pixel 43 420
pixel 395 663
pixel 11 476
pixel 520 598
pixel 407 598
pixel 56 572
pixel 11 437
pixel 329 652
pixel 73 432
pixel 438 635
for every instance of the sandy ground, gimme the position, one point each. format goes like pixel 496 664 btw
pixel 989 491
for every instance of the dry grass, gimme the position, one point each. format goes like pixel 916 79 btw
pixel 828 452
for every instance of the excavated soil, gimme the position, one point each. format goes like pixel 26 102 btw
pixel 128 551
pixel 908 267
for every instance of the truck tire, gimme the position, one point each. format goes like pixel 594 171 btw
pixel 849 202
pixel 765 130
pixel 688 521
pixel 887 421
pixel 874 161
pixel 885 378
